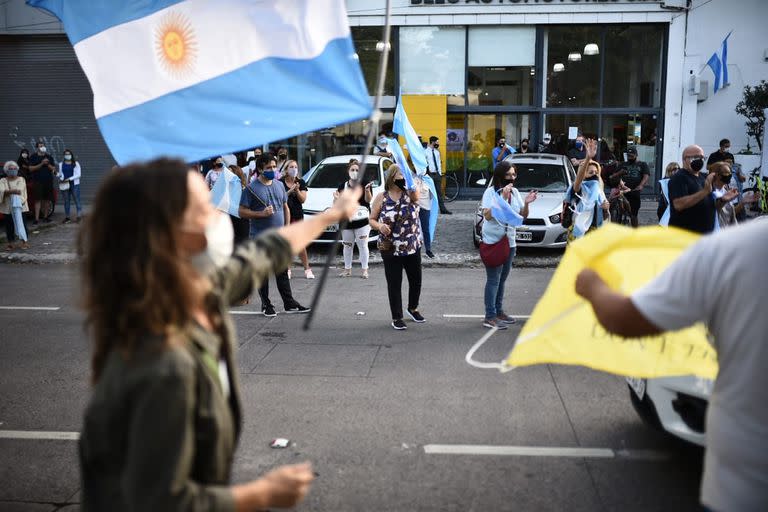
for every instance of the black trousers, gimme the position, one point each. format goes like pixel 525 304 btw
pixel 393 270
pixel 10 228
pixel 438 179
pixel 634 201
pixel 283 286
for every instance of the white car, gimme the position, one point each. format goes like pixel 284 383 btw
pixel 551 175
pixel 324 179
pixel 677 405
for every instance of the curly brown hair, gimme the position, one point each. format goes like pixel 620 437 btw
pixel 135 277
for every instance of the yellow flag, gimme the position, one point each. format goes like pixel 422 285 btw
pixel 563 328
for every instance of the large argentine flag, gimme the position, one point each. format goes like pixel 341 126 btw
pixel 195 78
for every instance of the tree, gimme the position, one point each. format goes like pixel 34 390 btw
pixel 753 106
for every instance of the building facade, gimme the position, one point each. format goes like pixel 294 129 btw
pixel 628 72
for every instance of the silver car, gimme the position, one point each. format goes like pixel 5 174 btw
pixel 551 175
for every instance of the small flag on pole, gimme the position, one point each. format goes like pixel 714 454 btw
pixel 194 78
pixel 719 65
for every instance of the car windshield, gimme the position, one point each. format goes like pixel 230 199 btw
pixel 332 175
pixel 541 177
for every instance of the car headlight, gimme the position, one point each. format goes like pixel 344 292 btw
pixel 554 219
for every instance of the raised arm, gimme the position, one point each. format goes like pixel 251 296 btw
pixel 591 146
pixel 685 202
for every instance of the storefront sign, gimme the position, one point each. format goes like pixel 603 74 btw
pixel 498 2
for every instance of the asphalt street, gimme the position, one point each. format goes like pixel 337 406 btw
pixel 367 405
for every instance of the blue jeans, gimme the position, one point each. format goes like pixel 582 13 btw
pixel 72 193
pixel 496 277
pixel 424 221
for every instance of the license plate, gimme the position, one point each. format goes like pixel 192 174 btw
pixel 637 385
pixel 332 228
pixel 524 236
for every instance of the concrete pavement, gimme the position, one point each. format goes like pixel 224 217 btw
pixel 360 401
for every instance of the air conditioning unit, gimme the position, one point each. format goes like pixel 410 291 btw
pixel 703 91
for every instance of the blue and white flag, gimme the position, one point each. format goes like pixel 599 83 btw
pixel 402 126
pixel 589 202
pixel 719 64
pixel 226 192
pixel 434 208
pixel 399 156
pixel 194 78
pixel 503 212
pixel 664 184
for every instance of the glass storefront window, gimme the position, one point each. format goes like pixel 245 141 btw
pixel 501 65
pixel 432 61
pixel 562 127
pixel 620 131
pixel 633 60
pixel 573 75
pixel 365 39
pixel 483 133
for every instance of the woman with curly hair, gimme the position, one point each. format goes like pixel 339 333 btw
pixel 163 421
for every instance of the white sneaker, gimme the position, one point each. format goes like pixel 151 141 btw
pixel 308 274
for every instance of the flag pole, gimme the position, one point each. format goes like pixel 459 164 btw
pixel 372 132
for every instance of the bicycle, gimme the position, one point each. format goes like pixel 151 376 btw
pixel 451 187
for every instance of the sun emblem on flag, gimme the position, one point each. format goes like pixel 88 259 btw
pixel 176 45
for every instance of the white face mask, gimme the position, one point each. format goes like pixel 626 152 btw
pixel 42 149
pixel 353 175
pixel 220 241
pixel 292 172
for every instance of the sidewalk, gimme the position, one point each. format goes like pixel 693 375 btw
pixel 453 246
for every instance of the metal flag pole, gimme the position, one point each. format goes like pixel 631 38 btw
pixel 372 132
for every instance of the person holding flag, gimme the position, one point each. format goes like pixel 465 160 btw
pixel 503 210
pixel 588 195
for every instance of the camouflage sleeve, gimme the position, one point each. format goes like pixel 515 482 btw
pixel 251 264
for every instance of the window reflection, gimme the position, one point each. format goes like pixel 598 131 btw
pixel 573 75
pixel 633 60
pixel 366 39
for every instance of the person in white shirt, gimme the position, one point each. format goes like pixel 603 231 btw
pixel 709 283
pixel 435 170
pixel 218 167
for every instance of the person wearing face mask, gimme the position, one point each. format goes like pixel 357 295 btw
pixel 435 170
pixel 165 415
pixel 523 146
pixel 23 163
pixel 282 160
pixel 635 175
pixel 296 189
pixel 587 195
pixel 501 151
pixel 42 167
pixel 69 184
pixel 725 194
pixel 381 148
pixel 358 229
pixel 211 176
pixel 13 204
pixel 395 215
pixel 690 194
pixel 265 203
pixel 494 231
pixel 722 154
pixel 578 152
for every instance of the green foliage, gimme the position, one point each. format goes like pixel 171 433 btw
pixel 752 106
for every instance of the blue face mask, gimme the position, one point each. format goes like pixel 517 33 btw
pixel 579 145
pixel 269 175
pixel 12 173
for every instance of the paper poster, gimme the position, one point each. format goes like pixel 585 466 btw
pixel 573 132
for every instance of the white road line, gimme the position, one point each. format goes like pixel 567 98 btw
pixel 30 308
pixel 522 317
pixel 39 435
pixel 246 312
pixel 543 451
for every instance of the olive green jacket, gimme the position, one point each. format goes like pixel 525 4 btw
pixel 159 432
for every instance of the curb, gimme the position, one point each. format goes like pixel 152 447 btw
pixel 462 260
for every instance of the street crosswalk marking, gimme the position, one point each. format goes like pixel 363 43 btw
pixel 39 435
pixel 519 317
pixel 30 308
pixel 543 451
